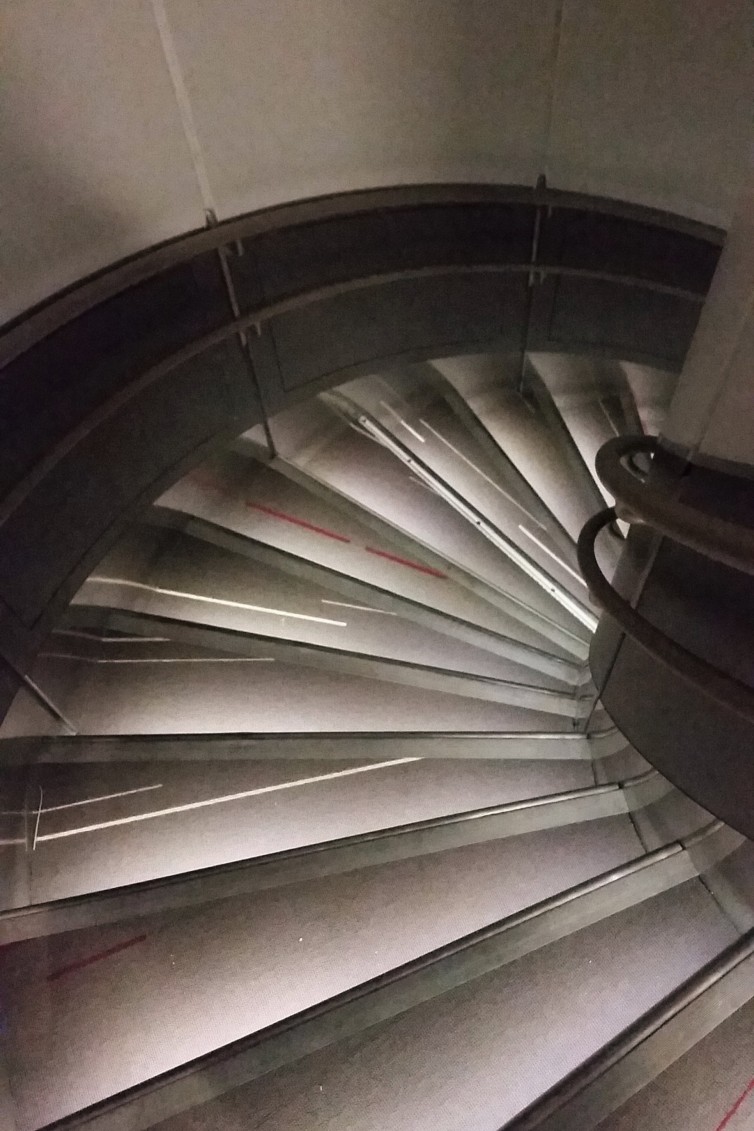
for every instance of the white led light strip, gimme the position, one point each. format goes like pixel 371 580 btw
pixel 153 814
pixel 487 479
pixel 216 600
pixel 555 558
pixel 574 607
pixel 400 420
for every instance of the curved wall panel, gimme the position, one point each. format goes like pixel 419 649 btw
pixel 117 387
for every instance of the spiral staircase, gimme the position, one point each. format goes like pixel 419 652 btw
pixel 323 823
pixel 327 328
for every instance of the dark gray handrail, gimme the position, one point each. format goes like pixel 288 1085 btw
pixel 715 538
pixel 578 1081
pixel 18 341
pixel 708 680
pixel 30 327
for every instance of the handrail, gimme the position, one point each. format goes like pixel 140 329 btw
pixel 408 983
pixel 708 680
pixel 577 1082
pixel 715 538
pixel 264 312
pixel 26 329
pixel 22 333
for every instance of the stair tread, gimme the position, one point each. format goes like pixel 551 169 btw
pixel 342 803
pixel 301 945
pixel 496 1042
pixel 712 1081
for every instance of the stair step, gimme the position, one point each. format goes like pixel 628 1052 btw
pixel 209 585
pixel 158 820
pixel 711 1084
pixel 504 986
pixel 214 692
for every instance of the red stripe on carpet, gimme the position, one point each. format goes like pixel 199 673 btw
pixel 729 1115
pixel 297 521
pixel 405 562
pixel 94 958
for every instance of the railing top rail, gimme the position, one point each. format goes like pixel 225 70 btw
pixel 708 680
pixel 715 538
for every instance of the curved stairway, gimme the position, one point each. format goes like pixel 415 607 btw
pixel 317 821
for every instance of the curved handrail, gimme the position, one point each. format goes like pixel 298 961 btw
pixel 715 538
pixel 30 326
pixel 265 311
pixel 51 314
pixel 708 680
